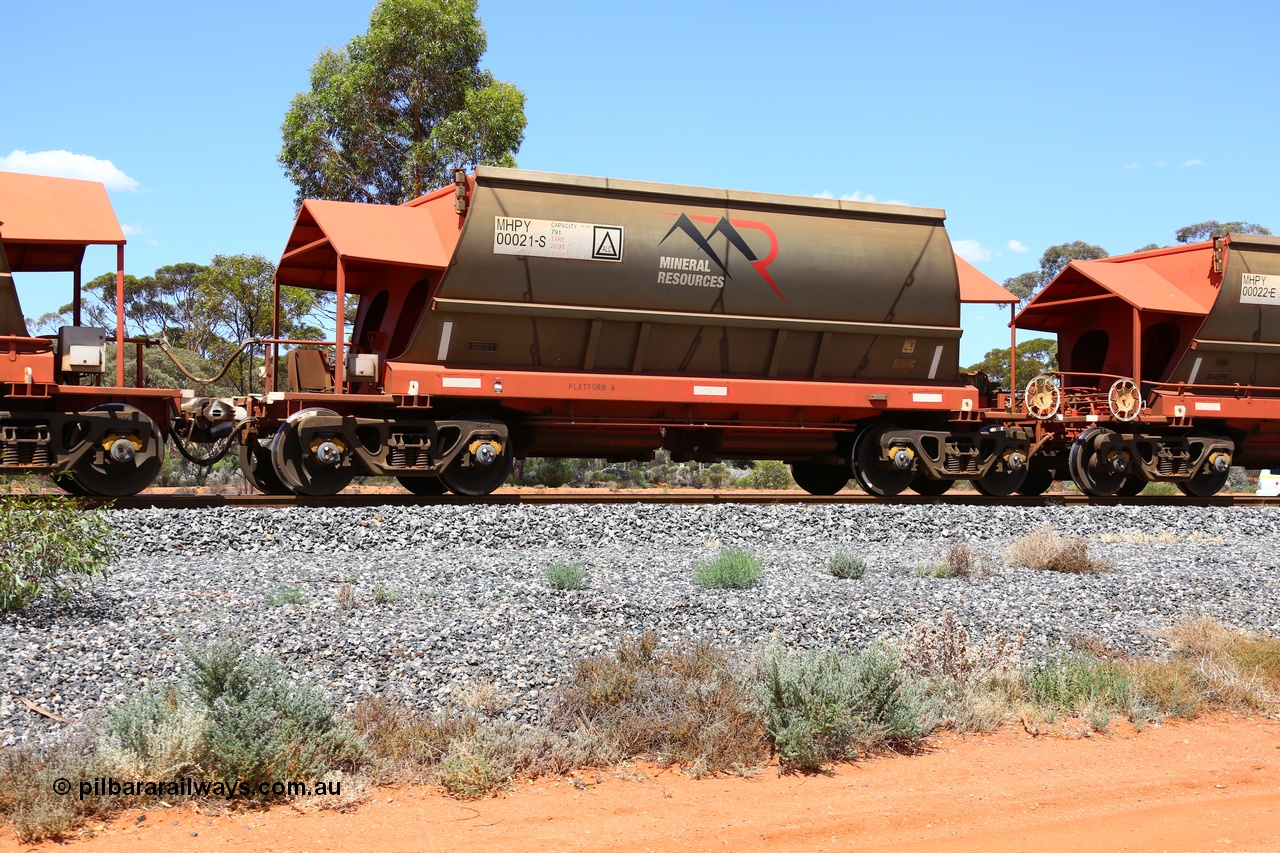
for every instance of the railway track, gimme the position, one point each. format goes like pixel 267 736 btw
pixel 174 500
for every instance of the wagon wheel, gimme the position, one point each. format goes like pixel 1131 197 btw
pixel 1037 482
pixel 1043 397
pixel 1208 481
pixel 922 485
pixel 300 468
pixel 1001 482
pixel 474 471
pixel 128 459
pixel 1132 486
pixel 876 476
pixel 818 479
pixel 1125 400
pixel 424 487
pixel 1095 474
pixel 258 470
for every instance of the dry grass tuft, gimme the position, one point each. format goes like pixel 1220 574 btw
pixel 404 744
pixel 1094 646
pixel 684 706
pixel 943 649
pixel 965 562
pixel 1230 669
pixel 1045 548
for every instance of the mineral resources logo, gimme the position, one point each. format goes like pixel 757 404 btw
pixel 697 272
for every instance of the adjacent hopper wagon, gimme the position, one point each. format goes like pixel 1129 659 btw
pixel 1169 368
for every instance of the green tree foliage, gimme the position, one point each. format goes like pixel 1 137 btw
pixel 390 116
pixel 1034 357
pixel 1052 262
pixel 1211 229
pixel 50 547
pixel 205 312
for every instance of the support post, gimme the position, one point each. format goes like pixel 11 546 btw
pixel 339 377
pixel 1013 359
pixel 120 315
pixel 75 299
pixel 273 356
pixel 1137 346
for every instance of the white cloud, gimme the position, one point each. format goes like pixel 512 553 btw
pixel 971 250
pixel 1159 164
pixel 1017 247
pixel 133 229
pixel 64 164
pixel 1186 163
pixel 854 196
pixel 1131 165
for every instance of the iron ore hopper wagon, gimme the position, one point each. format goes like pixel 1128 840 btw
pixel 520 313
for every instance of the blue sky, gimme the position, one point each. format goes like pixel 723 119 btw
pixel 1031 124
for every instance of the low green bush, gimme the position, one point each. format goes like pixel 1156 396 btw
pixel 261 727
pixel 283 595
pixel 1076 685
pixel 732 568
pixel 565 575
pixel 386 595
pixel 51 546
pixel 847 566
pixel 934 570
pixel 822 707
pixel 768 474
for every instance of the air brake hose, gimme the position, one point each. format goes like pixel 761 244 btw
pixel 167 350
pixel 220 449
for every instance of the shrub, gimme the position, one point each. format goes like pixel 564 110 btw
pixel 386 595
pixel 261 728
pixel 1045 548
pixel 732 568
pixel 403 744
pixel 154 735
pixel 1229 669
pixel 717 476
pixel 934 570
pixel 683 706
pixel 50 546
pixel 234 721
pixel 1081 686
pixel 768 474
pixel 565 575
pixel 825 706
pixel 27 796
pixel 551 473
pixel 847 566
pixel 283 595
pixel 962 561
pixel 477 766
pixel 944 650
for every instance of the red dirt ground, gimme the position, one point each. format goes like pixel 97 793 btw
pixel 1212 785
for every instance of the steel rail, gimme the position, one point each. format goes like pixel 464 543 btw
pixel 159 500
